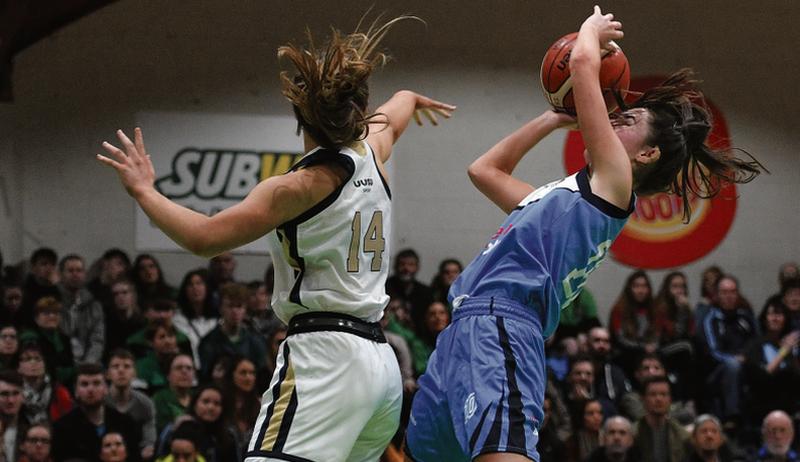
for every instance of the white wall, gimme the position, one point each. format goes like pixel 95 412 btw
pixel 75 88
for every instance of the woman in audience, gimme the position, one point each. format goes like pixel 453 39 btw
pixel 675 330
pixel 174 400
pixel 114 265
pixel 631 323
pixel 449 270
pixel 241 398
pixel 36 444
pixel 772 367
pixel 586 421
pixel 437 317
pixel 45 398
pixel 708 293
pixel 56 347
pixel 218 440
pixel 149 280
pixel 197 315
pixel 184 444
pixel 113 448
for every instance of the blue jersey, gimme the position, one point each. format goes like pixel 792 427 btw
pixel 545 250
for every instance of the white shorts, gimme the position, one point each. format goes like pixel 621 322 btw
pixel 334 397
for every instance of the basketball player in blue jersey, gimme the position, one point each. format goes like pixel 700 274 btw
pixel 481 395
pixel 336 392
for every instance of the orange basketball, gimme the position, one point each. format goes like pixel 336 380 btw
pixel 615 74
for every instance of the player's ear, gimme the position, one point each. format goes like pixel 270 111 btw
pixel 648 155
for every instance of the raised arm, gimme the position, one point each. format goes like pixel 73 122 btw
pixel 612 177
pixel 272 202
pixel 491 172
pixel 398 111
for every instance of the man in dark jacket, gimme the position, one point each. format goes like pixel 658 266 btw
pixel 617 442
pixel 659 438
pixel 78 434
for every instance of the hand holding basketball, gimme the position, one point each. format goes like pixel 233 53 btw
pixel 607 29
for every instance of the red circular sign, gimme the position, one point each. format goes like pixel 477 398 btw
pixel 655 236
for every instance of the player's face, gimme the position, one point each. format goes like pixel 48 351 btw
pixel 707 437
pixel 633 130
pixel 209 406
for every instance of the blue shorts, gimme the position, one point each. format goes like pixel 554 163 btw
pixel 484 386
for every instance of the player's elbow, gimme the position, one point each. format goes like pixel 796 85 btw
pixel 476 172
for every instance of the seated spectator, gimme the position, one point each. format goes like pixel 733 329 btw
pixel 617 442
pixel 708 295
pixel 399 322
pixel 218 441
pixel 36 444
pixel 772 367
pixel 549 446
pixel 82 318
pixel 9 344
pixel 728 328
pixel 149 281
pixel 658 436
pixel 675 330
pixel 260 316
pixel 135 404
pixel 77 435
pixel 449 269
pixel 632 321
pixel 404 286
pixel 708 442
pixel 12 413
pixel 586 422
pixel 40 282
pixel 778 433
pixel 11 302
pixel 123 317
pixel 790 297
pixel 112 448
pixel 579 387
pixel 184 444
pixel 221 271
pixel 162 311
pixel 231 336
pixel 241 401
pixel 559 417
pixel 632 405
pixel 114 266
pixel 46 400
pixel 56 347
pixel 403 355
pixel 197 314
pixel 610 382
pixel 151 369
pixel 436 319
pixel 173 401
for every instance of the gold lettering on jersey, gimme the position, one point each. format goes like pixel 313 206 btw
pixel 374 242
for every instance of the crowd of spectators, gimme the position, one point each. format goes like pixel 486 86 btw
pixel 109 362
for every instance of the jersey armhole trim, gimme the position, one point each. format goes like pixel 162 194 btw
pixel 598 202
pixel 380 174
pixel 320 157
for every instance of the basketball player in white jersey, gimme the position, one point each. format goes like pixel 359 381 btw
pixel 336 391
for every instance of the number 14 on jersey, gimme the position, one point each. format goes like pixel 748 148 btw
pixel 373 242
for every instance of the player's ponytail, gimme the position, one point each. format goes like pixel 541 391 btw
pixel 329 90
pixel 680 127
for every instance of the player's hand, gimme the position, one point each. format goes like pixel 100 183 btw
pixel 563 119
pixel 604 25
pixel 132 164
pixel 428 108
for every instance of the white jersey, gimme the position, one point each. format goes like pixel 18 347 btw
pixel 334 257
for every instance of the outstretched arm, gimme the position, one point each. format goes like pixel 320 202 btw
pixel 272 202
pixel 398 111
pixel 491 172
pixel 612 177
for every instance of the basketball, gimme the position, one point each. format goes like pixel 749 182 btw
pixel 615 74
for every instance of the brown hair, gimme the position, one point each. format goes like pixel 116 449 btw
pixel 329 91
pixel 234 293
pixel 681 123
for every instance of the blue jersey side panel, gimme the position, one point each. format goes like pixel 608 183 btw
pixel 545 249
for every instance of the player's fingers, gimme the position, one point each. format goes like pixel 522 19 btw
pixel 444 112
pixel 597 10
pixel 115 151
pixel 615 25
pixel 138 140
pixel 430 116
pixel 416 118
pixel 110 162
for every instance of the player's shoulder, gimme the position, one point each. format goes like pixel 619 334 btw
pixel 568 185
